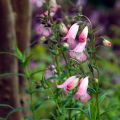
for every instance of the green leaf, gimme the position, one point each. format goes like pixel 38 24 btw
pixel 89 112
pixel 101 98
pixel 113 68
pixel 36 107
pixel 19 55
pixel 15 110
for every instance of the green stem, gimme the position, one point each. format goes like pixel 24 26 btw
pixel 97 103
pixel 30 85
pixel 69 114
pixel 67 64
pixel 57 65
pixel 56 101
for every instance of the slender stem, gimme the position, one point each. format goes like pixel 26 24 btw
pixel 57 65
pixel 67 64
pixel 30 85
pixel 69 114
pixel 38 71
pixel 55 101
pixel 97 102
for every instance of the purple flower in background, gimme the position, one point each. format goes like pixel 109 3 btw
pixel 50 72
pixel 40 29
pixel 37 3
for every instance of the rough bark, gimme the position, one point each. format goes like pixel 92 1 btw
pixel 8 64
pixel 22 10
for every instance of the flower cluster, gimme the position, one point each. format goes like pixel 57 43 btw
pixel 72 82
pixel 77 50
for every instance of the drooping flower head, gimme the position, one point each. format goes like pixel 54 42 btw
pixel 82 94
pixel 83 35
pixel 69 84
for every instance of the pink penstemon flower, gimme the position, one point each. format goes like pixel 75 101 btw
pixel 72 31
pixel 78 52
pixel 71 35
pixel 82 94
pixel 83 35
pixel 69 84
pixel 79 56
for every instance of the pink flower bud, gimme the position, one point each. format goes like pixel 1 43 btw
pixel 63 28
pixel 107 43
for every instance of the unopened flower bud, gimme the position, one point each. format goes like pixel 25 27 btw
pixel 52 66
pixel 96 80
pixel 107 43
pixel 63 28
pixel 66 45
pixel 43 39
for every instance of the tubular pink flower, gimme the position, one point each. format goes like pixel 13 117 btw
pixel 78 52
pixel 69 84
pixel 80 47
pixel 72 43
pixel 83 35
pixel 82 94
pixel 80 57
pixel 72 31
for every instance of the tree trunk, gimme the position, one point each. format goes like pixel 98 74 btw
pixel 8 63
pixel 22 10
